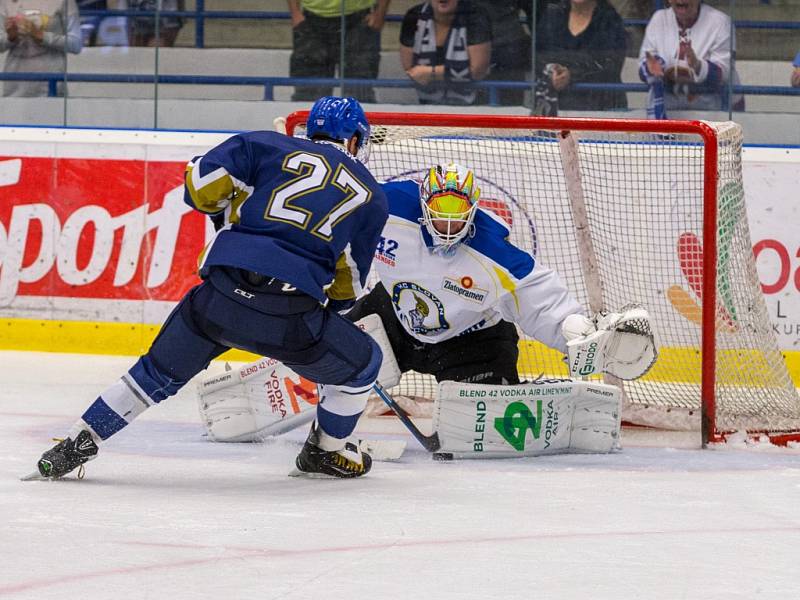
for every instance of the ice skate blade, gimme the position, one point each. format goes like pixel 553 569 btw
pixel 35 476
pixel 383 450
pixel 298 473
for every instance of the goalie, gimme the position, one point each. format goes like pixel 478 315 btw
pixel 452 287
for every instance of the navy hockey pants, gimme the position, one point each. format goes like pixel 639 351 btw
pixel 227 311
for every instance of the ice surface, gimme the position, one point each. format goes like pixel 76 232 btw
pixel 164 514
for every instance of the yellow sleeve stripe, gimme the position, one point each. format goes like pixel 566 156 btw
pixel 508 285
pixel 346 284
pixel 210 193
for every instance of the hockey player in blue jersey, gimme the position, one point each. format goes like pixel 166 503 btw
pixel 299 221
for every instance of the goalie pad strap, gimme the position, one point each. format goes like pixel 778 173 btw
pixel 587 354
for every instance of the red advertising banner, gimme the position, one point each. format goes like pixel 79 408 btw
pixel 93 226
pixel 96 228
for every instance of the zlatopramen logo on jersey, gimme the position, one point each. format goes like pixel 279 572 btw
pixel 516 422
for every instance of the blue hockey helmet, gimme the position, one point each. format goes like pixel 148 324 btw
pixel 339 119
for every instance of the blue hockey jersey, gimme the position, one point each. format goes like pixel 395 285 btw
pixel 304 212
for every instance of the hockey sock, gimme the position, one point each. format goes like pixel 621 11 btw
pixel 115 408
pixel 340 407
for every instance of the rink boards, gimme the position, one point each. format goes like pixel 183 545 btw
pixel 96 244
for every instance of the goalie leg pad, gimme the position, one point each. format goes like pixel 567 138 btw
pixel 529 419
pixel 260 399
pixel 268 397
pixel 389 374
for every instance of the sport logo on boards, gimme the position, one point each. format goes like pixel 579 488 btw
pixel 96 228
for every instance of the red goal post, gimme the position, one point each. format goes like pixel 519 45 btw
pixel 640 201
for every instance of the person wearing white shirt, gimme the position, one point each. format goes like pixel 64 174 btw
pixel 686 58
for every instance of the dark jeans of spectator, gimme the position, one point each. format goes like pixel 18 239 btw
pixel 142 30
pixel 511 62
pixel 316 53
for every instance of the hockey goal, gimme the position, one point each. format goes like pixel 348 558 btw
pixel 625 210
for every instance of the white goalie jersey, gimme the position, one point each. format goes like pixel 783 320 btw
pixel 485 279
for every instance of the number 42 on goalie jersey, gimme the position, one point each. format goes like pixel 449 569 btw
pixel 304 212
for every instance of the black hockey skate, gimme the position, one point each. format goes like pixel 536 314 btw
pixel 67 455
pixel 348 462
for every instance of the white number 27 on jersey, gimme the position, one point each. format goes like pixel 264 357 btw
pixel 313 173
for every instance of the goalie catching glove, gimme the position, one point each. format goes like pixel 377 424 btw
pixel 618 343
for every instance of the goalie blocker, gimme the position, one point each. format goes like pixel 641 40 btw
pixel 551 416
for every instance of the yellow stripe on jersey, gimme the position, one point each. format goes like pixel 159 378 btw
pixel 345 286
pixel 239 197
pixel 210 193
pixel 508 285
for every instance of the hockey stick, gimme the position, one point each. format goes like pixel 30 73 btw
pixel 431 442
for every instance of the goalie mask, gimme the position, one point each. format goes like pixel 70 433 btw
pixel 449 199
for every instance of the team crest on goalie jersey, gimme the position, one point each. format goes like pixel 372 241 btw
pixel 419 309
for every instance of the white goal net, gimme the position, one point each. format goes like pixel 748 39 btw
pixel 620 215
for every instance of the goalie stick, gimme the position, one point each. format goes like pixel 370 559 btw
pixel 431 442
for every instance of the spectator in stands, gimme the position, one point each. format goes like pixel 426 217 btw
pixel 685 58
pixel 795 80
pixel 37 35
pixel 89 25
pixel 316 37
pixel 640 10
pixel 445 44
pixel 142 30
pixel 511 46
pixel 580 41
